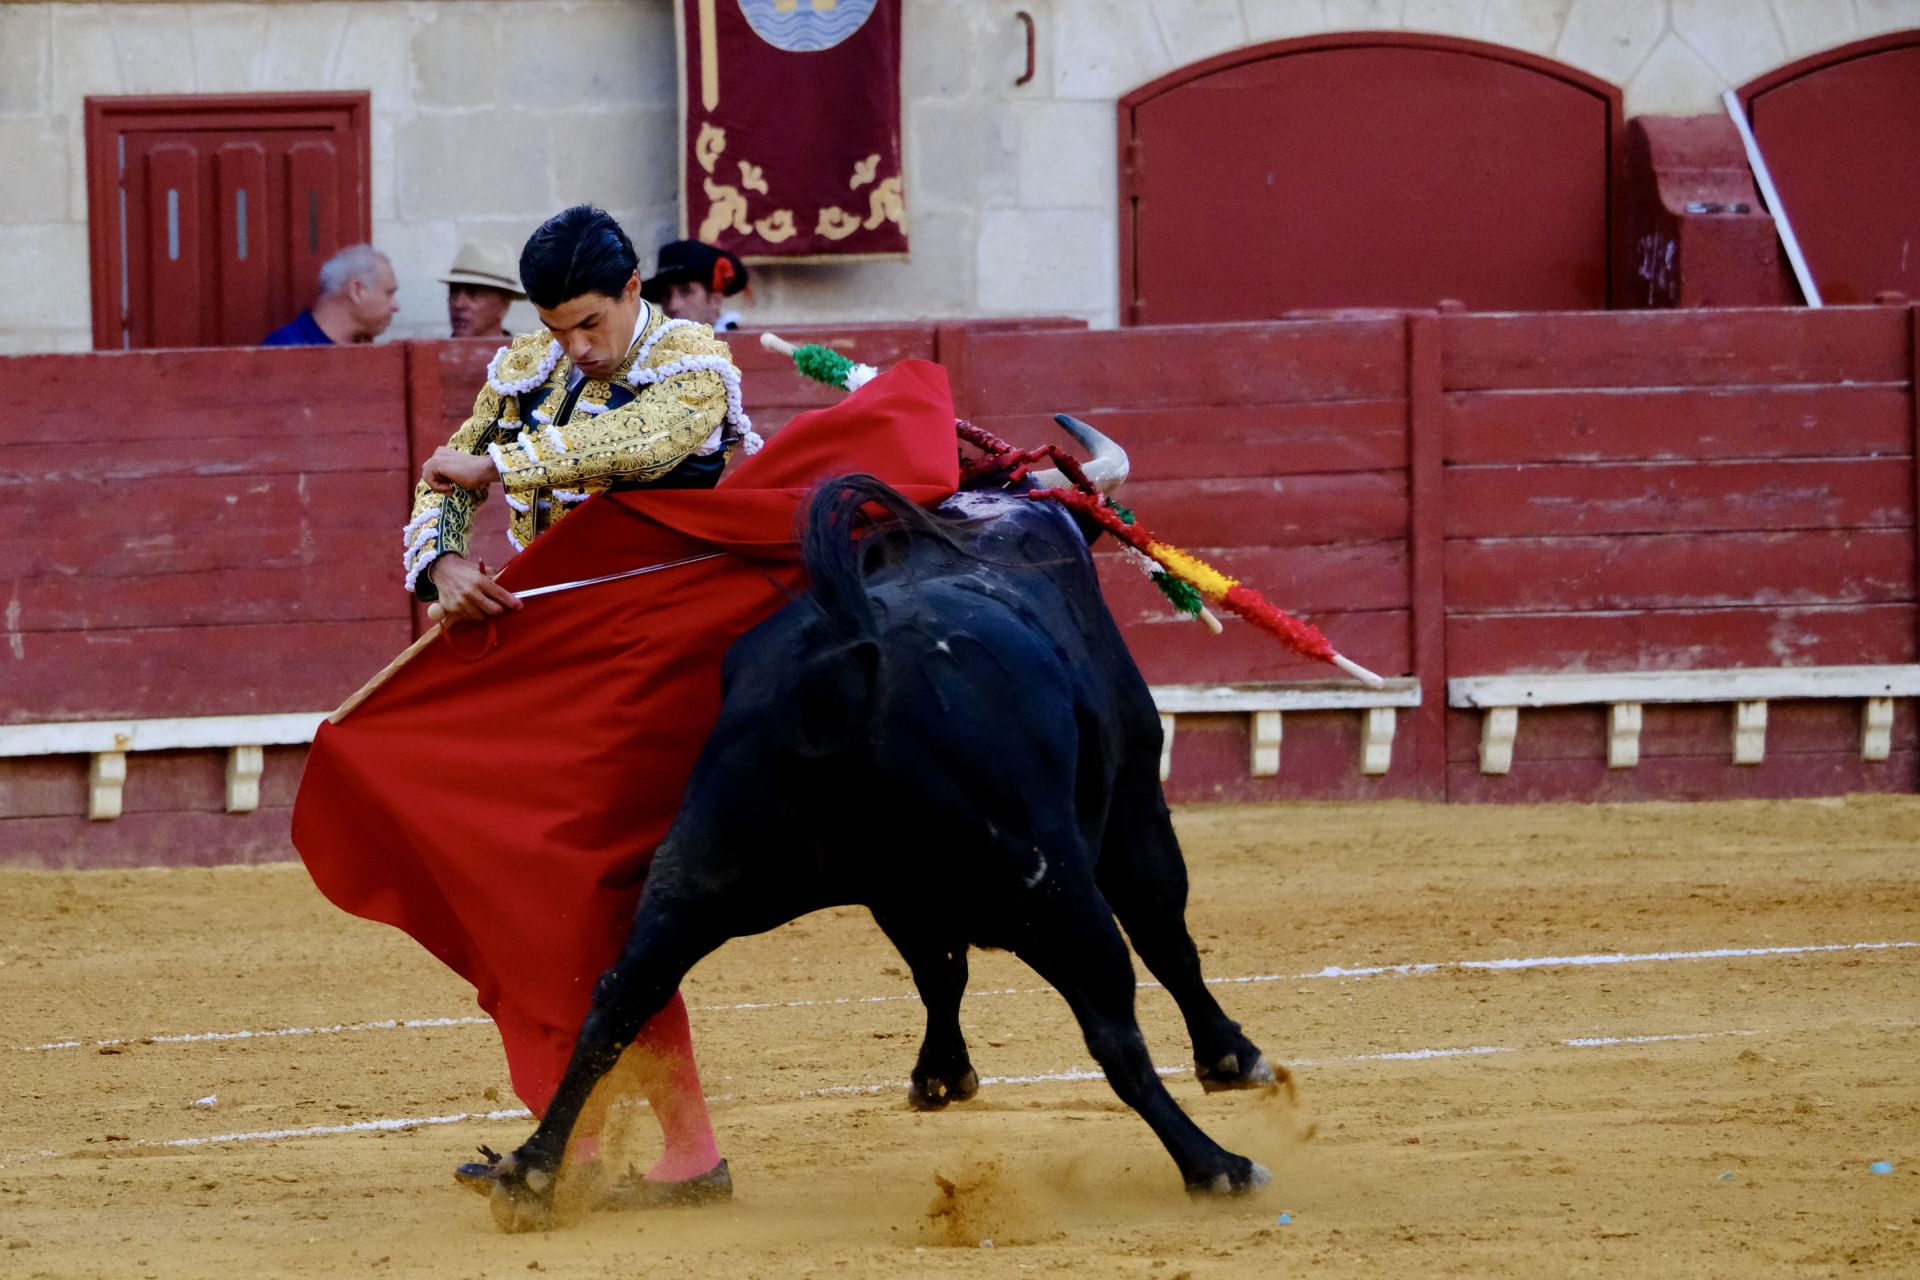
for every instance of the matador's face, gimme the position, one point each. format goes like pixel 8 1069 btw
pixel 595 330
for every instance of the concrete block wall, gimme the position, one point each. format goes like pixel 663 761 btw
pixel 488 116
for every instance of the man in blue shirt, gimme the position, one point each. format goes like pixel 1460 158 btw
pixel 356 302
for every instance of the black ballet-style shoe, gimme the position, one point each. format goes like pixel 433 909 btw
pixel 631 1191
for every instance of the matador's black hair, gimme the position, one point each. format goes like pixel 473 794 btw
pixel 576 251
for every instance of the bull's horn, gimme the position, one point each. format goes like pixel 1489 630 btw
pixel 1107 469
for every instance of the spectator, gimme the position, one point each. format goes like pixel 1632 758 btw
pixel 691 280
pixel 481 285
pixel 356 302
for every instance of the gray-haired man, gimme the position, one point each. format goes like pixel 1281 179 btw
pixel 356 302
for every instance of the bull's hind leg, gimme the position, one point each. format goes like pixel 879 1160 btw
pixel 943 1072
pixel 1076 947
pixel 1145 878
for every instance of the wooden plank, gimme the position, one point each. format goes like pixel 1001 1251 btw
pixel 1319 760
pixel 117 557
pixel 1234 440
pixel 1283 362
pixel 1276 511
pixel 1704 347
pixel 260 392
pixel 1315 695
pixel 1794 727
pixel 149 735
pixel 1778 777
pixel 315 592
pixel 1171 651
pixel 1680 571
pixel 193 671
pixel 166 839
pixel 1750 684
pixel 27 467
pixel 1690 425
pixel 205 508
pixel 1681 638
pixel 1662 497
pixel 42 786
pixel 1300 580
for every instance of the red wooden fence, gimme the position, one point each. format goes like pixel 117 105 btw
pixel 207 532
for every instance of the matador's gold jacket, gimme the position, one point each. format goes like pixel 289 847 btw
pixel 668 415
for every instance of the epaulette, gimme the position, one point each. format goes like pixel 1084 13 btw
pixel 524 363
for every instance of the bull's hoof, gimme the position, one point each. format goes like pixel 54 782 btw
pixel 479 1177
pixel 1243 1177
pixel 1226 1073
pixel 521 1201
pixel 930 1093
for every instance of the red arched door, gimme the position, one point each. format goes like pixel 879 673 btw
pixel 1841 134
pixel 1365 170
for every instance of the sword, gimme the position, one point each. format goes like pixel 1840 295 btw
pixel 436 614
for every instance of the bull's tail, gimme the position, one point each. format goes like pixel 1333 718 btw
pixel 844 541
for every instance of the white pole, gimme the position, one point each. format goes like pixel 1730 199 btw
pixel 1801 272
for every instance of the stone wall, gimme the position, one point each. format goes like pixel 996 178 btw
pixel 488 116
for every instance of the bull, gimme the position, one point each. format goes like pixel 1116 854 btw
pixel 957 681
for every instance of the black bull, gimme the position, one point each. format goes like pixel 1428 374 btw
pixel 948 730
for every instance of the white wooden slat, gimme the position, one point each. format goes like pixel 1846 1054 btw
pixel 1331 695
pixel 185 732
pixel 1748 684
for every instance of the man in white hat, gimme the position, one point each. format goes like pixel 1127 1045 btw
pixel 481 285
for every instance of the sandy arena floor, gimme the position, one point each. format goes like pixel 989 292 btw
pixel 1710 1104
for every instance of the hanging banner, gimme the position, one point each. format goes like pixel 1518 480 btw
pixel 790 142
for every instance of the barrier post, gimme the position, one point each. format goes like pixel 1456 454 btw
pixel 1426 538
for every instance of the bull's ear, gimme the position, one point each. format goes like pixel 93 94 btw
pixel 833 696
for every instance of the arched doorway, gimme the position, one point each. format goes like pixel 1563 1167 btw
pixel 1365 169
pixel 1841 134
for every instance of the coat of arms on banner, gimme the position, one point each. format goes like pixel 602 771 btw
pixel 806 27
pixel 791 140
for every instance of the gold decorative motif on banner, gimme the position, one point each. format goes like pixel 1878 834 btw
pixel 753 177
pixel 777 226
pixel 864 172
pixel 708 146
pixel 727 209
pixel 836 223
pixel 886 204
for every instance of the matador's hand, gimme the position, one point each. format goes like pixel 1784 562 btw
pixel 468 591
pixel 450 469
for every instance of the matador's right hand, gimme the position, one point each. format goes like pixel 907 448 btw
pixel 468 592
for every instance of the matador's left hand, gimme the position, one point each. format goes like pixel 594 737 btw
pixel 450 469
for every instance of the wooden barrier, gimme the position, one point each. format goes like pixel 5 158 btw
pixel 1660 491
pixel 1451 497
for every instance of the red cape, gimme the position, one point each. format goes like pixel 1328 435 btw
pixel 503 810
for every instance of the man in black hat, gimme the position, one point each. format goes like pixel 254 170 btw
pixel 691 281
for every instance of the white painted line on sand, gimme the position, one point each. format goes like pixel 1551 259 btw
pixel 329 1130
pixel 1340 972
pixel 1398 1055
pixel 201 1037
pixel 395 1123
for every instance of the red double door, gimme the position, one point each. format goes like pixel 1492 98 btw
pixel 1366 170
pixel 210 217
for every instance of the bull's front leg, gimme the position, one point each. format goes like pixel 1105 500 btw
pixel 658 955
